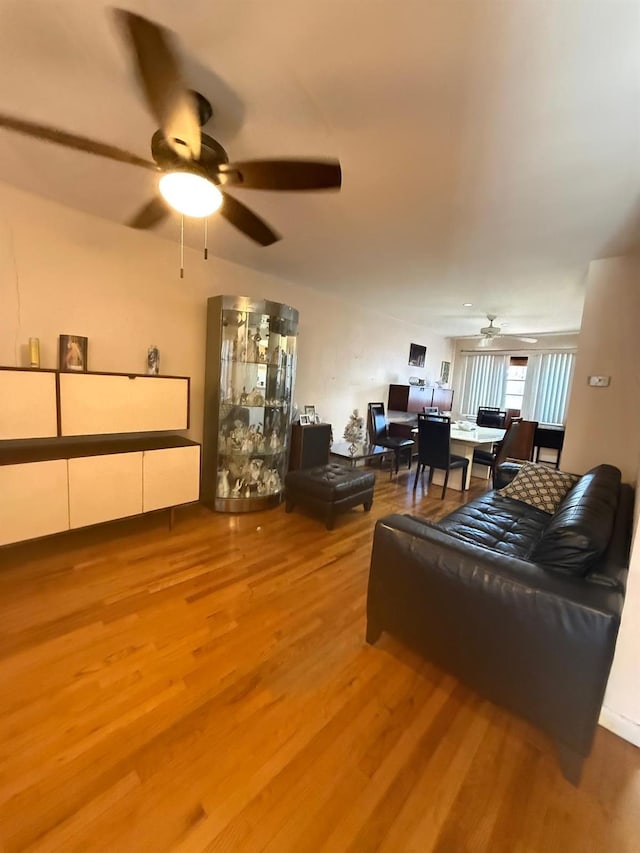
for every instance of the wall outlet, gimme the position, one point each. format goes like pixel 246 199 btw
pixel 599 381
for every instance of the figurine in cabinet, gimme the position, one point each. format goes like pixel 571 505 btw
pixel 253 347
pixel 255 398
pixel 223 483
pixel 255 470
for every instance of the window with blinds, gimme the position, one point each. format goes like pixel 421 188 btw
pixel 538 384
pixel 548 387
pixel 483 382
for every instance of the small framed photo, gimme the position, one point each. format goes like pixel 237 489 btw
pixel 304 420
pixel 417 355
pixel 72 353
pixel 310 412
pixel 445 367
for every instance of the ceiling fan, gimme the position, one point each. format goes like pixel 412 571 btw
pixel 490 332
pixel 194 167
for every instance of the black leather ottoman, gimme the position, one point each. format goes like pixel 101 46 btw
pixel 330 488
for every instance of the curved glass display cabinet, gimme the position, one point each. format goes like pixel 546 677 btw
pixel 249 376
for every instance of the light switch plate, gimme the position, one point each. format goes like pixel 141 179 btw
pixel 599 381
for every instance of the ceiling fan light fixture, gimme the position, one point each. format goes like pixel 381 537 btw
pixel 190 193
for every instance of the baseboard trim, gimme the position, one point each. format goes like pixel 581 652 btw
pixel 619 725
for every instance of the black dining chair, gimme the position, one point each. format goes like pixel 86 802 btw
pixel 379 434
pixel 434 450
pixel 490 417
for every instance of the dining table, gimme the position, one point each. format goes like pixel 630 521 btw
pixel 464 440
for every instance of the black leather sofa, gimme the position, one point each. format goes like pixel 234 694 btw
pixel 521 605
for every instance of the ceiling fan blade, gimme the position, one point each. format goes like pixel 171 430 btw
pixel 284 174
pixel 158 67
pixel 247 221
pixel 149 215
pixel 70 140
pixel 527 340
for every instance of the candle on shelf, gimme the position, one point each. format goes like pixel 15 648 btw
pixel 34 352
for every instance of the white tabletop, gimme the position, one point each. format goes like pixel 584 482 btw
pixel 477 435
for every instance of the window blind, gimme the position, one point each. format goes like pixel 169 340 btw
pixel 483 382
pixel 547 388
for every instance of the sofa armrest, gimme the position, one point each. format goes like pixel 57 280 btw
pixel 505 473
pixel 538 643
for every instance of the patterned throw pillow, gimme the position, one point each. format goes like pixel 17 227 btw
pixel 540 486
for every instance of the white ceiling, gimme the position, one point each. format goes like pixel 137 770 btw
pixel 489 150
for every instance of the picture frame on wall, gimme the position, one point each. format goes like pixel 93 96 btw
pixel 417 355
pixel 72 353
pixel 445 368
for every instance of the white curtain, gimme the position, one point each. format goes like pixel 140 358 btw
pixel 483 382
pixel 547 388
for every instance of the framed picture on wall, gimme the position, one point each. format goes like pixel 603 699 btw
pixel 417 355
pixel 72 353
pixel 445 367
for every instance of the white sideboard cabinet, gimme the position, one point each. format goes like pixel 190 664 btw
pixel 118 459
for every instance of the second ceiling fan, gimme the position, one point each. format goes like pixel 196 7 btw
pixel 490 332
pixel 195 167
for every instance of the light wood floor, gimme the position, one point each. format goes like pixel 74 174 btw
pixel 209 688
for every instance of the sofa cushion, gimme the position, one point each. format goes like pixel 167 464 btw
pixel 497 522
pixel 540 486
pixel 580 530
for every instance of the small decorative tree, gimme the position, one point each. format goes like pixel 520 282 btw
pixel 354 430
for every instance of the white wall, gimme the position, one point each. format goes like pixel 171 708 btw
pixel 603 425
pixel 62 271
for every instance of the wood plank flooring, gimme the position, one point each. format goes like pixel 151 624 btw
pixel 209 689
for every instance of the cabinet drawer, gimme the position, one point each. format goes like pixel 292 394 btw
pixel 102 488
pixel 29 408
pixel 96 404
pixel 33 500
pixel 170 477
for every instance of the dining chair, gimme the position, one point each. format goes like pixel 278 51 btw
pixel 517 443
pixel 434 450
pixel 512 414
pixel 379 434
pixel 490 417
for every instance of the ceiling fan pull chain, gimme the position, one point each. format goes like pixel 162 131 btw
pixel 182 245
pixel 206 232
